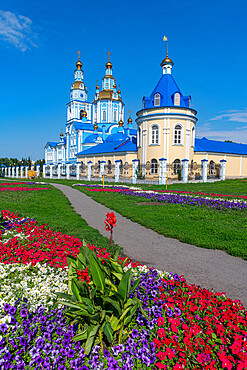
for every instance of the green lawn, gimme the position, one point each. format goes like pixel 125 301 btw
pixel 200 226
pixel 51 207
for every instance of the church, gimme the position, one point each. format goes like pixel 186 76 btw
pixel 95 133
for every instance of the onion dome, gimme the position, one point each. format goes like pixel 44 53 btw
pixel 61 135
pixel 95 126
pixel 108 64
pixel 78 65
pixel 129 120
pixel 84 114
pixel 120 123
pixel 167 60
pixel 119 91
pixel 97 86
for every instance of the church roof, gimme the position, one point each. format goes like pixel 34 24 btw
pixel 119 136
pixel 84 126
pixel 51 143
pixel 111 147
pixel 93 138
pixel 205 145
pixel 166 87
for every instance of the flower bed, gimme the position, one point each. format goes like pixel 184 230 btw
pixel 178 326
pixel 201 193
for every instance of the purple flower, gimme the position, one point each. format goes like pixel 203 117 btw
pixel 24 312
pixel 169 312
pixel 135 333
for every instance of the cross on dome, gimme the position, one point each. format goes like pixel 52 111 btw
pixel 79 54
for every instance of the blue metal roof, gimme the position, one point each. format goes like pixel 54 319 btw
pixel 166 87
pixel 51 143
pixel 205 145
pixel 119 136
pixel 111 147
pixel 93 138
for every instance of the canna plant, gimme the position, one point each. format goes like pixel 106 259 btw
pixel 101 308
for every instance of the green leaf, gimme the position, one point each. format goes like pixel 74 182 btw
pixel 114 322
pixel 90 340
pixel 113 303
pixel 108 332
pixel 124 286
pixel 136 283
pixel 64 295
pixel 75 290
pixel 128 319
pixel 70 259
pixel 98 275
pixel 82 335
pixel 124 313
pixel 69 304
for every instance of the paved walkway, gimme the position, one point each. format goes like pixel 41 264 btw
pixel 211 269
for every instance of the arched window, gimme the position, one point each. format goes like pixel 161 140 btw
pixel 139 136
pixel 104 115
pixel 121 166
pixel 115 115
pixel 193 136
pixel 191 166
pixel 176 167
pixel 157 100
pixel 154 166
pixel 177 99
pixel 155 134
pixel 109 166
pixel 177 135
pixel 211 167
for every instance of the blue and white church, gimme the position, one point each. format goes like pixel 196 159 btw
pixel 89 123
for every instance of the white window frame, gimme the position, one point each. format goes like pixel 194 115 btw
pixel 157 97
pixel 175 142
pixel 177 99
pixel 154 167
pixel 104 115
pixel 156 140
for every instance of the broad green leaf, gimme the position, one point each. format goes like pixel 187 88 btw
pixel 128 319
pixel 108 332
pixel 69 305
pixel 70 259
pixel 75 290
pixel 98 275
pixel 90 340
pixel 114 322
pixel 136 283
pixel 124 286
pixel 113 303
pixel 118 275
pixel 108 282
pixel 64 295
pixel 124 313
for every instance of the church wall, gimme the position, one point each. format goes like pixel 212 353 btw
pixel 236 165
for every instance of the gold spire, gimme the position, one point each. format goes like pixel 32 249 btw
pixel 108 64
pixel 167 60
pixel 129 119
pixel 79 63
pixel 61 135
pixel 119 91
pixel 95 125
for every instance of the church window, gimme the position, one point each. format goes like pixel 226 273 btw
pixel 104 115
pixel 211 168
pixel 157 100
pixel 191 167
pixel 115 115
pixel 177 139
pixel 177 99
pixel 139 137
pixel 154 134
pixel 109 166
pixel 154 166
pixel 98 166
pixel 193 136
pixel 121 166
pixel 176 167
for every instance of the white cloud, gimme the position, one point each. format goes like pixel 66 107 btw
pixel 232 115
pixel 16 29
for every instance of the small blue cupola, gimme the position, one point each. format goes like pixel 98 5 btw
pixel 166 93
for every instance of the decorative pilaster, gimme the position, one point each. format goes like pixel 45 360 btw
pixel 185 170
pixel 89 170
pixel 162 171
pixel 204 170
pixel 134 170
pixel 223 169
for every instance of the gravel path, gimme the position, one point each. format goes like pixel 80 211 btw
pixel 211 269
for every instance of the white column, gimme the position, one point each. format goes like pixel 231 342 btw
pixel 223 169
pixel 32 167
pixel 26 174
pixel 102 168
pixel 59 167
pixel 67 171
pixel 162 171
pixel 134 170
pixel 37 170
pixel 89 170
pixel 204 170
pixel 117 170
pixel 16 171
pixel 44 169
pixel 6 171
pixel 9 171
pixel 13 171
pixel 185 170
pixel 78 170
pixel 51 171
pixel 21 172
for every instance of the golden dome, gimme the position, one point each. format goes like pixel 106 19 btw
pixel 84 114
pixel 95 126
pixel 129 120
pixel 61 135
pixel 108 65
pixel 97 86
pixel 78 65
pixel 119 91
pixel 120 123
pixel 167 60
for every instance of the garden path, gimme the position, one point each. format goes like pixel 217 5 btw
pixel 211 269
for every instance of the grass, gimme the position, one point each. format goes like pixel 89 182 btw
pixel 51 207
pixel 200 226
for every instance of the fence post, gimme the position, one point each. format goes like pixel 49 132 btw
pixel 117 170
pixel 222 169
pixel 134 170
pixel 67 171
pixel 162 171
pixel 37 170
pixel 89 170
pixel 204 170
pixel 78 170
pixel 102 168
pixel 185 170
pixel 26 172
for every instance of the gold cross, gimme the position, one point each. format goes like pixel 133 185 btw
pixel 130 112
pixel 109 54
pixel 79 54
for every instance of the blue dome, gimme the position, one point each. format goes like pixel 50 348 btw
pixel 119 136
pixel 93 139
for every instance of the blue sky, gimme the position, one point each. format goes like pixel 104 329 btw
pixel 39 41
